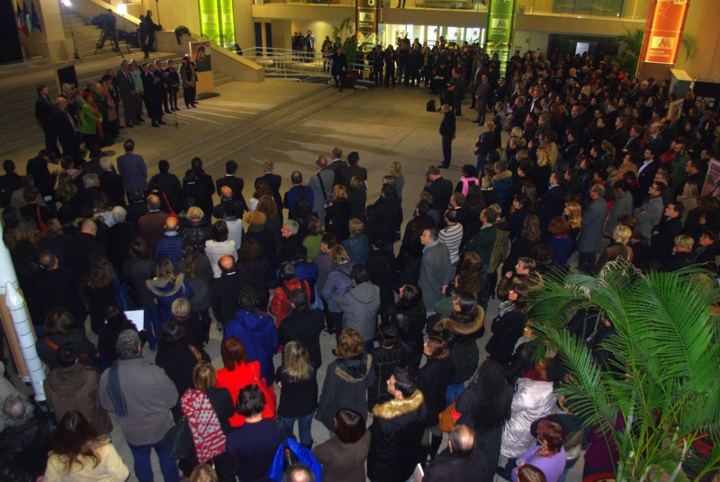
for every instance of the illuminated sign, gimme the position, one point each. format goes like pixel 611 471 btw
pixel 663 31
pixel 217 21
pixel 501 22
pixel 366 20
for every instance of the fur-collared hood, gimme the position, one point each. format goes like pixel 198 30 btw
pixel 397 408
pixel 462 328
pixel 348 377
pixel 506 174
pixel 165 287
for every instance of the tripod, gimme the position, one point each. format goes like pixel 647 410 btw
pixel 113 41
pixel 76 53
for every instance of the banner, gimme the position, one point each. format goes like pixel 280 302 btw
pixel 366 19
pixel 217 21
pixel 663 31
pixel 200 53
pixel 711 187
pixel 500 30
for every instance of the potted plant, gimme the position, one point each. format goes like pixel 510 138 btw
pixel 663 375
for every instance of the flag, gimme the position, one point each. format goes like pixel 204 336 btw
pixel 28 21
pixel 35 18
pixel 20 22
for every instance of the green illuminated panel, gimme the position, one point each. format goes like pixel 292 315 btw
pixel 501 28
pixel 217 22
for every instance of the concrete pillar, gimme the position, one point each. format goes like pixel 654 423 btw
pixel 57 46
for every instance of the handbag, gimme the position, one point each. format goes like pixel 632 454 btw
pixel 178 440
pixel 448 418
pixel 122 295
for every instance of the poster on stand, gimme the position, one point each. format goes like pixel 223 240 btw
pixel 200 53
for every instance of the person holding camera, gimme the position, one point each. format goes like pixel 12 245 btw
pixel 109 31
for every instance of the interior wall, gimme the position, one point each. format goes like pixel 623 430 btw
pixel 706 62
pixel 535 41
pixel 244 24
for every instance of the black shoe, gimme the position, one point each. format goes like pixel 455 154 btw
pixel 443 166
pixel 162 123
pixel 140 121
pixel 193 106
pixel 155 125
pixel 167 111
pixel 476 121
pixel 121 127
pixel 130 126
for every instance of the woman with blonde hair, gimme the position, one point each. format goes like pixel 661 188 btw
pixel 167 286
pixel 618 250
pixel 397 172
pixel 689 197
pixel 347 380
pixel 80 453
pixel 337 216
pixel 338 282
pixel 542 170
pixel 573 215
pixel 257 229
pixel 66 189
pixel 297 380
pixel 208 410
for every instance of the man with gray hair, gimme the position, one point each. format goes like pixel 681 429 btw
pixel 290 240
pixel 322 185
pixel 25 441
pixel 141 395
pixel 297 192
pixel 120 236
pixel 590 240
pixel 459 461
pixel 111 183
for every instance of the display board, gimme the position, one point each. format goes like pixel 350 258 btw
pixel 501 29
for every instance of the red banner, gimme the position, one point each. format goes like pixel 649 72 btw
pixel 663 31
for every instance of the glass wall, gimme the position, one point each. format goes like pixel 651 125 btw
pixel 390 33
pixel 602 8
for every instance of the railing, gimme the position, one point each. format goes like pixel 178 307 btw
pixel 620 9
pixel 294 64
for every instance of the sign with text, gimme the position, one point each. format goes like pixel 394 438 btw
pixel 500 29
pixel 366 21
pixel 663 31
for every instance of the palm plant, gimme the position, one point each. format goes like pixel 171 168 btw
pixel 630 44
pixel 663 378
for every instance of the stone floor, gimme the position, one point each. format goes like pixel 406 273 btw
pixel 382 125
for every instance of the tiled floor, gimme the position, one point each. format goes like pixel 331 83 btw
pixel 382 125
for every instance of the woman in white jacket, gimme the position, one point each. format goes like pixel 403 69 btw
pixel 534 398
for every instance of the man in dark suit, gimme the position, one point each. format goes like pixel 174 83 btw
pixel 634 141
pixel 226 196
pixel 663 236
pixel 620 136
pixel 347 173
pixel 152 83
pixel 126 87
pixel 195 190
pixel 44 113
pixel 225 290
pixel 646 172
pixel 233 182
pixel 551 203
pixel 59 287
pixel 337 164
pixel 137 207
pixel 132 168
pixel 68 130
pixel 111 183
pixel 169 183
pixel 303 324
pixel 43 179
pixel 78 250
pixel 441 190
pixel 447 132
pixel 274 181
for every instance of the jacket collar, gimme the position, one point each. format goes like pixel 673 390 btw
pixel 397 408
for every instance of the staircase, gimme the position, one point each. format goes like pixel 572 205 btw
pixel 87 35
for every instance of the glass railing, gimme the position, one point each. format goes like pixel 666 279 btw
pixel 624 9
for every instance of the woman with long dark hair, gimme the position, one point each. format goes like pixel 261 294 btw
pixel 138 268
pixel 343 456
pixel 508 326
pixel 485 406
pixel 432 381
pixel 187 80
pixel 80 453
pixel 461 331
pixel 220 245
pixel 98 289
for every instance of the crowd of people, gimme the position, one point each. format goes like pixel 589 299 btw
pixel 591 166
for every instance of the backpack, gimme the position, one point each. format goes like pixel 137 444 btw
pixel 431 106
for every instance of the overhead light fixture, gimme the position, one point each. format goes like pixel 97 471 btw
pixel 67 3
pixel 121 9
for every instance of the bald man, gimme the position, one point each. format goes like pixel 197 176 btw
pixel 151 226
pixel 460 462
pixel 224 290
pixel 171 244
pixel 78 250
pixel 227 195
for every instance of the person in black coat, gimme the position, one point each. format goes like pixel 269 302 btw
pixel 78 250
pixel 385 358
pixel 339 68
pixel 447 133
pixel 508 326
pixel 111 183
pixel 396 431
pixel 462 461
pixel 433 382
pixel 382 271
pixel 388 217
pixel 235 183
pixel 682 254
pixel 44 113
pixel 273 181
pixel 60 287
pixel 201 195
pixel 116 323
pixel 224 291
pixel 409 314
pixel 254 269
pixel 68 130
pixel 664 234
pixel 43 179
pixel 303 324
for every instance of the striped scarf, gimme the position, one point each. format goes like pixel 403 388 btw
pixel 205 427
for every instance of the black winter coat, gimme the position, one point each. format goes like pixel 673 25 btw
pixel 506 331
pixel 396 438
pixel 462 336
pixel 433 382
